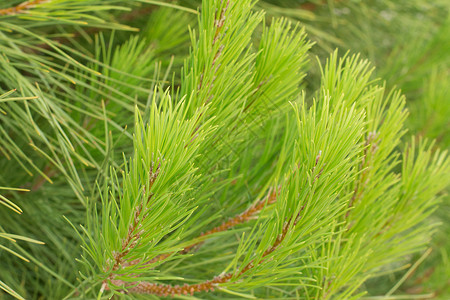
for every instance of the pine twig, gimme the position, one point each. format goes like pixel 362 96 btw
pixel 131 239
pixel 362 182
pixel 134 234
pixel 164 290
pixel 239 219
pixel 21 8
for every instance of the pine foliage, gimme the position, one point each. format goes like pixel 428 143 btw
pixel 232 154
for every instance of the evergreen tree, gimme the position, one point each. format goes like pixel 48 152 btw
pixel 223 149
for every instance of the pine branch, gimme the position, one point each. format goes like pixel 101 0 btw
pixel 126 17
pixel 245 216
pixel 135 229
pixel 164 290
pixel 370 148
pixel 217 137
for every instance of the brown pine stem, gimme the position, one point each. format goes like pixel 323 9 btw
pixel 130 240
pixel 164 290
pixel 278 241
pixel 308 6
pixel 365 164
pixel 239 219
pixel 137 13
pixel 314 6
pixel 38 183
pixel 49 171
pixel 140 213
pixel 21 8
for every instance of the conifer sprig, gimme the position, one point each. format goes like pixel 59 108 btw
pixel 251 173
pixel 348 135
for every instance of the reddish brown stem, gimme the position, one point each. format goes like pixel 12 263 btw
pixel 164 290
pixel 134 234
pixel 313 6
pixel 130 240
pixel 362 182
pixel 21 8
pixel 49 172
pixel 277 242
pixel 239 219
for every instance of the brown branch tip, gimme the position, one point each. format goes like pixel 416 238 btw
pixel 21 8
